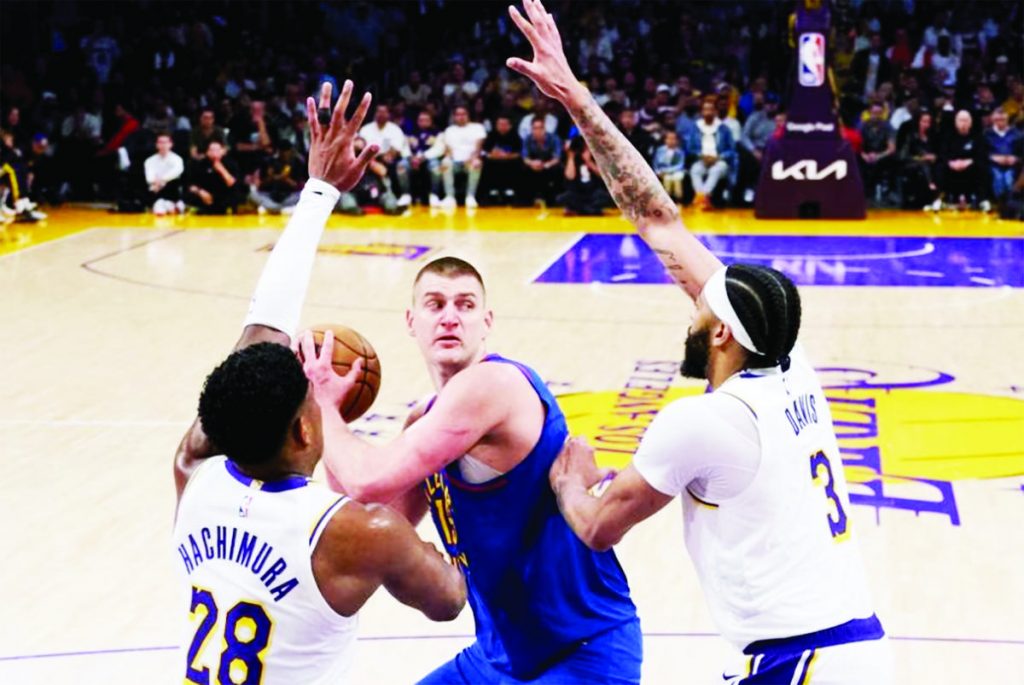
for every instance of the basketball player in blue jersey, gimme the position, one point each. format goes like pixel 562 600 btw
pixel 755 462
pixel 547 609
pixel 273 564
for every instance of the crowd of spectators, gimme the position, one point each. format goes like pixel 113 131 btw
pixel 164 106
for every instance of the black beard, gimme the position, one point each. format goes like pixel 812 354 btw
pixel 698 354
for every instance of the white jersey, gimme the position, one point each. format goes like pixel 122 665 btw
pixel 775 555
pixel 244 551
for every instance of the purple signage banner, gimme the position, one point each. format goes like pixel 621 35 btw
pixel 810 260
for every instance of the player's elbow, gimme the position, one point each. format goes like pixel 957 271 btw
pixel 600 538
pixel 368 492
pixel 657 226
pixel 452 604
pixel 446 613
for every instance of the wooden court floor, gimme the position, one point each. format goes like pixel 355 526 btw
pixel 110 323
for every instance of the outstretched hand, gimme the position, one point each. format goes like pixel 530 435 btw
pixel 549 68
pixel 576 463
pixel 331 155
pixel 329 389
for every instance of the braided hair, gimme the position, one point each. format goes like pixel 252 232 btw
pixel 768 305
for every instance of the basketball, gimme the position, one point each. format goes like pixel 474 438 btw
pixel 348 347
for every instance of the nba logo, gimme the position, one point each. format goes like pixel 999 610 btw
pixel 243 508
pixel 812 60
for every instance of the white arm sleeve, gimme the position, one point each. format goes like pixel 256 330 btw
pixel 710 440
pixel 281 290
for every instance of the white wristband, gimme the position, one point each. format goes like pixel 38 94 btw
pixel 281 290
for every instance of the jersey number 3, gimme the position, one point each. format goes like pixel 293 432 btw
pixel 246 638
pixel 837 524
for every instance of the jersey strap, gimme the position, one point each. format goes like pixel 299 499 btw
pixel 280 485
pixel 856 630
pixel 321 523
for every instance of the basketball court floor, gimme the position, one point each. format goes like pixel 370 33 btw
pixel 111 322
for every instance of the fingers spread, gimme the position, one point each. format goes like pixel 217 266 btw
pixel 307 348
pixel 327 347
pixel 357 368
pixel 522 66
pixel 314 122
pixel 339 110
pixel 528 30
pixel 553 28
pixel 534 11
pixel 365 157
pixel 360 113
pixel 325 95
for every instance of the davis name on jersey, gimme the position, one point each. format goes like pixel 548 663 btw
pixel 802 414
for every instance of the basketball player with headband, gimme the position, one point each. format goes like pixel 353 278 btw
pixel 273 563
pixel 755 461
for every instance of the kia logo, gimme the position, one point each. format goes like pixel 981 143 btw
pixel 807 170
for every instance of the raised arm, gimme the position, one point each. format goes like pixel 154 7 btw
pixel 630 180
pixel 277 301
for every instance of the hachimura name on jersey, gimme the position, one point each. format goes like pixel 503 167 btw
pixel 238 546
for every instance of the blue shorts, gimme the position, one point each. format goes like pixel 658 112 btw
pixel 613 657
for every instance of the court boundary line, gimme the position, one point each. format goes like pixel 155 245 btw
pixel 1001 293
pixel 547 265
pixel 400 638
pixel 51 241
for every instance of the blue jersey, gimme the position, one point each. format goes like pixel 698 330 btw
pixel 536 591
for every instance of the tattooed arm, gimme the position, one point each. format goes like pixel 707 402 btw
pixel 630 179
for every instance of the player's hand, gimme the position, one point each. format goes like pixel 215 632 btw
pixel 549 68
pixel 331 155
pixel 576 463
pixel 329 389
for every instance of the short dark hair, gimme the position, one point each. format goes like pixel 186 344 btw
pixel 164 134
pixel 768 305
pixel 450 267
pixel 249 402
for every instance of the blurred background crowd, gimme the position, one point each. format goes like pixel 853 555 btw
pixel 162 106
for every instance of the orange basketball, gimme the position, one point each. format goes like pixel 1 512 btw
pixel 349 346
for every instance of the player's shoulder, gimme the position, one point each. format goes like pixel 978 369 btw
pixel 369 528
pixel 487 387
pixel 487 374
pixel 691 406
pixel 201 472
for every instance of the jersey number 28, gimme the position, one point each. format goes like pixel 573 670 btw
pixel 247 631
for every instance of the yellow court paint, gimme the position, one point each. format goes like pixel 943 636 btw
pixel 66 221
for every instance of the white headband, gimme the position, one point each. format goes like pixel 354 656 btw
pixel 718 301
